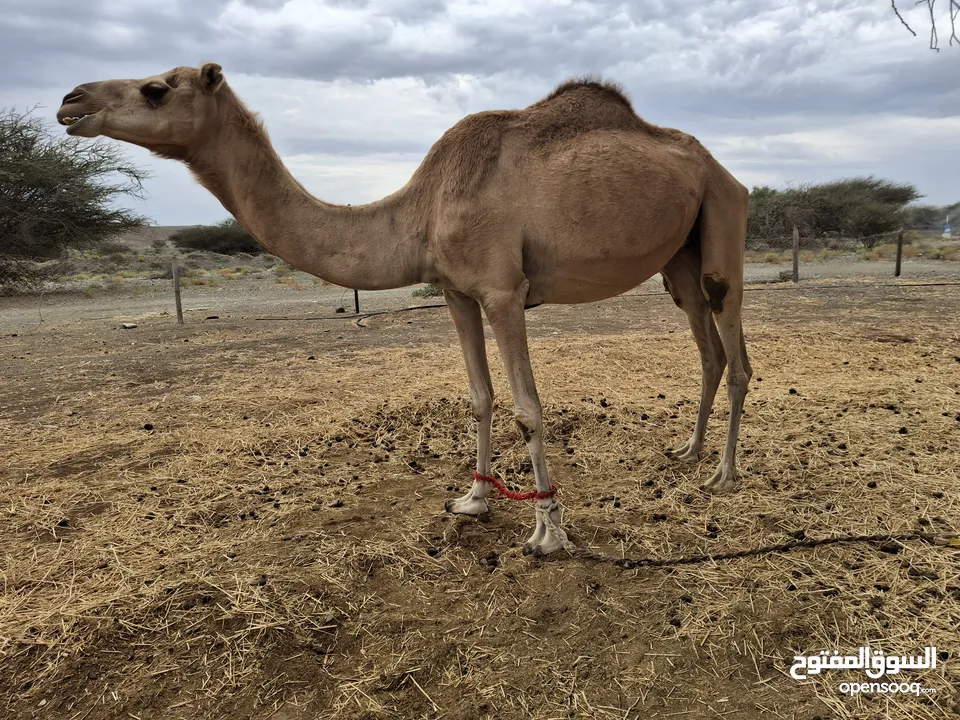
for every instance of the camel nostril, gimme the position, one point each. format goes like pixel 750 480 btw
pixel 72 97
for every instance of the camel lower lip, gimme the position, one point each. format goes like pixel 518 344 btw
pixel 74 123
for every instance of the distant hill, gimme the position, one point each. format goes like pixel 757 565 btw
pixel 140 239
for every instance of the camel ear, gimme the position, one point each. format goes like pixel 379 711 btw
pixel 211 77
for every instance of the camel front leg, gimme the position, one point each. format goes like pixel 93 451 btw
pixel 465 312
pixel 506 315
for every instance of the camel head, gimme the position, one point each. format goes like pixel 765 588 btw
pixel 168 113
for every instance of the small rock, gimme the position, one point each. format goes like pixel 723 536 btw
pixel 491 561
pixel 147 426
pixel 340 310
pixel 212 317
pixel 312 357
pixel 128 326
pixel 891 546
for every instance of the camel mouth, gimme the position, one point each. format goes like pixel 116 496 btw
pixel 76 122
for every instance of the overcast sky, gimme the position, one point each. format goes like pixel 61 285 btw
pixel 354 92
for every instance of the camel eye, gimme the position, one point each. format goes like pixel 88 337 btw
pixel 154 92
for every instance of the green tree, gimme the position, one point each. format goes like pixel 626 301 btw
pixel 227 238
pixel 57 193
pixel 862 208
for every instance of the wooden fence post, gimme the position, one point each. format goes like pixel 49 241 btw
pixel 896 272
pixel 176 291
pixel 356 302
pixel 796 254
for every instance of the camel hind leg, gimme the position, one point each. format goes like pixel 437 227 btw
pixel 723 227
pixel 681 278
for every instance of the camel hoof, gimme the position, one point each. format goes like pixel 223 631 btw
pixel 550 543
pixel 687 453
pixel 467 505
pixel 722 482
pixel 546 538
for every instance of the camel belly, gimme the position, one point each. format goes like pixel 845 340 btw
pixel 600 223
pixel 573 263
pixel 589 279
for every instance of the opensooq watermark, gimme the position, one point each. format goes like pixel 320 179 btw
pixel 875 665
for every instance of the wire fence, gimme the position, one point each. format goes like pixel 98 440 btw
pixel 767 260
pixel 887 254
pixel 770 262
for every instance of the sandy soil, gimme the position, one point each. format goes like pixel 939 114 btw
pixel 242 517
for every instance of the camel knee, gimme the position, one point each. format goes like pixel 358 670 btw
pixel 481 405
pixel 737 381
pixel 715 288
pixel 529 421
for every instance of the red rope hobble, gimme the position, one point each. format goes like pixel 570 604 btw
pixel 508 493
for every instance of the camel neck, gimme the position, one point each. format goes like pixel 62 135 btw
pixel 367 247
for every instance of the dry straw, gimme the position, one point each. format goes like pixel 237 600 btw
pixel 275 545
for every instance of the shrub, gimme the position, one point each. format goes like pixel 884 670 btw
pixel 57 193
pixel 226 238
pixel 861 208
pixel 427 291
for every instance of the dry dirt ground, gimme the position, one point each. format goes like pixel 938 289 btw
pixel 242 518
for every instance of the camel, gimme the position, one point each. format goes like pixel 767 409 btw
pixel 572 199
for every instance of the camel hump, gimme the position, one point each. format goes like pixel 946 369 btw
pixel 580 106
pixel 589 87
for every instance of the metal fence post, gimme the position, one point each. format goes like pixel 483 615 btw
pixel 796 254
pixel 176 291
pixel 896 272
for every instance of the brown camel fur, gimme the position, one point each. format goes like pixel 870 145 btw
pixel 573 199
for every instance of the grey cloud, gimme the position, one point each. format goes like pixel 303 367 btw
pixel 735 77
pixel 711 67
